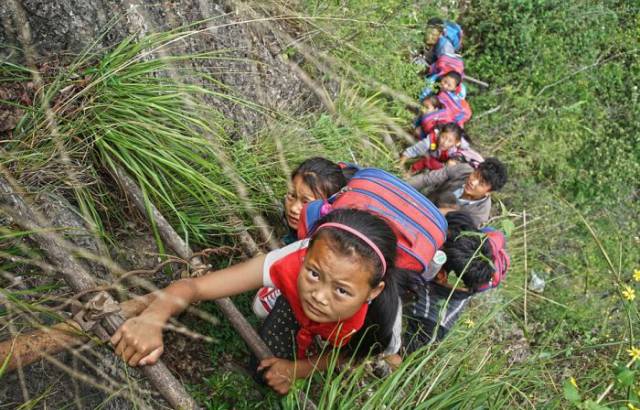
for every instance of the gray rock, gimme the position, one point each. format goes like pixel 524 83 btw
pixel 536 283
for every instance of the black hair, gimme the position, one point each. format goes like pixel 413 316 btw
pixel 435 22
pixel 464 241
pixel 494 173
pixel 322 176
pixel 455 75
pixel 435 101
pixel 457 130
pixel 377 331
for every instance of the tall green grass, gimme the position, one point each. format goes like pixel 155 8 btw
pixel 130 108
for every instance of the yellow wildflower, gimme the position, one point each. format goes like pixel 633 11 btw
pixel 632 407
pixel 573 382
pixel 628 293
pixel 636 275
pixel 634 353
pixel 470 323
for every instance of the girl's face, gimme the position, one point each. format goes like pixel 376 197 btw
pixel 447 140
pixel 448 83
pixel 428 106
pixel 298 195
pixel 333 286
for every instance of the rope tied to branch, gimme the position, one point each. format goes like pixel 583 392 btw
pixel 98 307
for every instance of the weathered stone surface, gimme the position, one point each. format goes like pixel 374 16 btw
pixel 61 29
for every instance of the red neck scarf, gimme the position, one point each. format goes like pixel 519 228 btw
pixel 284 275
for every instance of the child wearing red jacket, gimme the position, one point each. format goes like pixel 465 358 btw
pixel 443 144
pixel 338 286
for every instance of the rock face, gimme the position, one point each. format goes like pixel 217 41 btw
pixel 61 29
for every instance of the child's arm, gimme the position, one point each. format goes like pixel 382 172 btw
pixel 139 339
pixel 431 180
pixel 418 149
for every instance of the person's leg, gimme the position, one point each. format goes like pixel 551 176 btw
pixel 421 327
pixel 279 330
pixel 420 165
pixel 264 301
pixel 433 164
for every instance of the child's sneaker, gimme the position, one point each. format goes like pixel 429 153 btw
pixel 264 301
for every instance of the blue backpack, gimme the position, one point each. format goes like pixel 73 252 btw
pixel 452 33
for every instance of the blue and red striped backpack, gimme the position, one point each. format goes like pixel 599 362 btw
pixel 458 107
pixel 418 224
pixel 429 121
pixel 445 64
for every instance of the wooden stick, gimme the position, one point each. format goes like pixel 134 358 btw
pixel 476 81
pixel 80 280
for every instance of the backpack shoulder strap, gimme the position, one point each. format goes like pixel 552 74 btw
pixel 349 169
pixel 309 216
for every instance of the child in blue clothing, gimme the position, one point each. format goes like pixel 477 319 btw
pixel 440 37
pixel 449 82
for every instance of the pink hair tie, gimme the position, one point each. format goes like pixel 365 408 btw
pixel 359 235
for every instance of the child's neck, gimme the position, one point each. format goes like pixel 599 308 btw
pixel 472 197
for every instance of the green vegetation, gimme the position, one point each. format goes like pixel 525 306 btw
pixel 561 111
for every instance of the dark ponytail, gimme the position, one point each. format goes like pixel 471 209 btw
pixel 377 331
pixel 467 251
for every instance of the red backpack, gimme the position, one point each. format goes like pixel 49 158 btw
pixel 447 63
pixel 418 224
pixel 501 261
pixel 428 122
